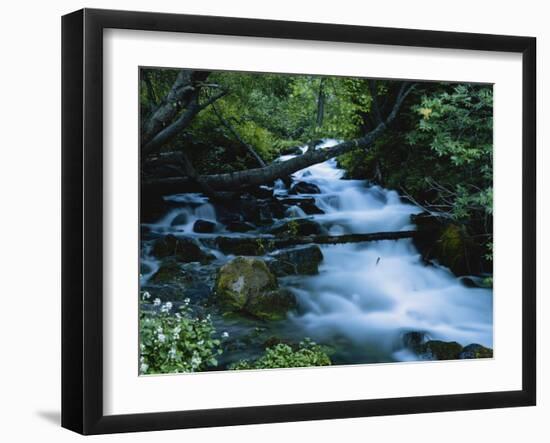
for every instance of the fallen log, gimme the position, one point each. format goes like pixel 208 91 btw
pixel 263 244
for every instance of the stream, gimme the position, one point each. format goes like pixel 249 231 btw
pixel 366 295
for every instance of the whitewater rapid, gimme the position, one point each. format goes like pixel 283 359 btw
pixel 370 294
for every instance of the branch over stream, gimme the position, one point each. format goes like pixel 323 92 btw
pixel 261 245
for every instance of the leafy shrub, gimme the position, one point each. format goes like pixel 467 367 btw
pixel 283 356
pixel 175 342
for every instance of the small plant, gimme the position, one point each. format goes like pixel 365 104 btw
pixel 175 342
pixel 293 228
pixel 283 356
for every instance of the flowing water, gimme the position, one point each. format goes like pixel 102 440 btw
pixel 366 295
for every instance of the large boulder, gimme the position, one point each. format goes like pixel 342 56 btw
pixel 183 249
pixel 449 243
pixel 299 260
pixel 304 188
pixel 247 285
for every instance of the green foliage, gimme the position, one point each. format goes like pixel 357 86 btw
pixel 458 127
pixel 282 355
pixel 175 342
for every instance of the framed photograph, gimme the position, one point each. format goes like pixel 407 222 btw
pixel 269 221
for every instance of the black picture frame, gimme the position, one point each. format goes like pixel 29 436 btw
pixel 82 217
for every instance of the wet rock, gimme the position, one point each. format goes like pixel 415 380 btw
pixel 305 204
pixel 438 350
pixel 180 219
pixel 171 272
pixel 413 339
pixel 241 279
pixel 297 227
pixel 257 211
pixel 304 188
pixel 247 285
pixel 300 260
pixel 204 226
pixel 475 351
pixel 448 243
pixel 271 305
pixel 183 249
pixel 240 226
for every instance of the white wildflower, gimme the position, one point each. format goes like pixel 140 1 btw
pixel 195 360
pixel 172 353
pixel 146 295
pixel 186 301
pixel 161 337
pixel 225 334
pixel 166 307
pixel 156 301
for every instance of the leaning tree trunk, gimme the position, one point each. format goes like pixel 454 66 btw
pixel 268 174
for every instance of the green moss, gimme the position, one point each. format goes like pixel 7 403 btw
pixel 241 279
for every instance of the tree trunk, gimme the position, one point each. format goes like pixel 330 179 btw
pixel 263 244
pixel 268 174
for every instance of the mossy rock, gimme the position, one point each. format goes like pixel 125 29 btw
pixel 242 279
pixel 449 243
pixel 439 350
pixel 246 285
pixel 183 249
pixel 476 351
pixel 271 305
